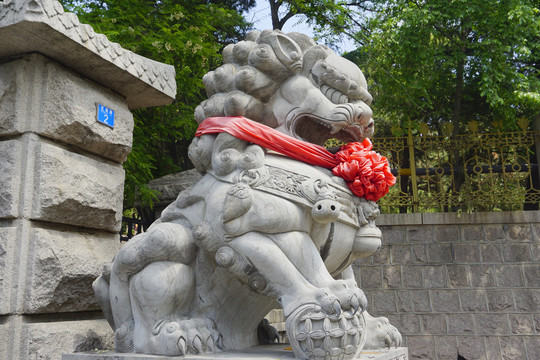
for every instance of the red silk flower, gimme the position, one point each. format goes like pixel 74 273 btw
pixel 366 172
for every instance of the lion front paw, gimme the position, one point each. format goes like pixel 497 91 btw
pixel 323 297
pixel 193 336
pixel 350 296
pixel 381 334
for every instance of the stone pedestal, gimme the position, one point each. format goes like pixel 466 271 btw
pixel 266 352
pixel 61 175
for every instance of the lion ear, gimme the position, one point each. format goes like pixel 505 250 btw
pixel 286 50
pixel 314 54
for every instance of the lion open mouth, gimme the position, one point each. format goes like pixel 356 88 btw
pixel 318 131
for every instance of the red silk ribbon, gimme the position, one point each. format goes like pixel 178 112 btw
pixel 366 173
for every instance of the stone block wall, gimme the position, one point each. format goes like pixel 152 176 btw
pixel 60 209
pixel 465 284
pixel 61 174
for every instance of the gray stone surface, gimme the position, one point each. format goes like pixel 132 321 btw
pixel 516 253
pixel 421 301
pixel 7 257
pixel 404 303
pixel 521 324
pixel 532 275
pixel 466 253
pixel 420 253
pixel 488 308
pixel 513 348
pixel 458 276
pixel 472 233
pixel 70 188
pixel 434 276
pixel 63 106
pixel 62 268
pixel 4 334
pixel 490 253
pixel 532 346
pixel 459 324
pixel 8 100
pixel 446 233
pixel 446 348
pixel 509 276
pixel 10 172
pixel 506 217
pixel 399 219
pixel 473 300
pixel 421 347
pixel 527 300
pixel 371 277
pixel 471 347
pixel 49 340
pixel 493 350
pixel 42 26
pixel 500 300
pixel 401 254
pixel 412 276
pixel 393 235
pixel 435 324
pixel 417 234
pixel 265 352
pixel 484 276
pixel 392 276
pixel 445 301
pixel 492 324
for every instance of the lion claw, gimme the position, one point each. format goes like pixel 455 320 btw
pixel 197 344
pixel 182 346
pixel 185 337
pixel 337 308
pixel 355 304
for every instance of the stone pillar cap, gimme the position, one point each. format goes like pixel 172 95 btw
pixel 42 26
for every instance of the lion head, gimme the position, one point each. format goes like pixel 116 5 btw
pixel 290 83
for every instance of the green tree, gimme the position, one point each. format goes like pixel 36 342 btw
pixel 449 63
pixel 188 34
pixel 437 61
pixel 331 19
pixel 441 62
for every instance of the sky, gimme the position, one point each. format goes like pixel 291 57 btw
pixel 260 16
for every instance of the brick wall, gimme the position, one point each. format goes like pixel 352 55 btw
pixel 465 284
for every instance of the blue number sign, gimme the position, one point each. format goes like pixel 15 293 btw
pixel 105 115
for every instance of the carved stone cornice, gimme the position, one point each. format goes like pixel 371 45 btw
pixel 42 26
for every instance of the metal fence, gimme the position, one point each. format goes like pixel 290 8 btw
pixel 471 172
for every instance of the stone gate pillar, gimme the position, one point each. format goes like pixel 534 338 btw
pixel 65 130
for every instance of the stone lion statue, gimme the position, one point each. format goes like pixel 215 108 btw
pixel 260 229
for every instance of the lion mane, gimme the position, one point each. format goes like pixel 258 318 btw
pixel 254 70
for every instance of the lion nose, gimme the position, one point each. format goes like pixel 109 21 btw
pixel 325 211
pixel 360 114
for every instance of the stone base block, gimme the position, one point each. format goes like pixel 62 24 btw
pixel 47 340
pixel 265 352
pixel 23 339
